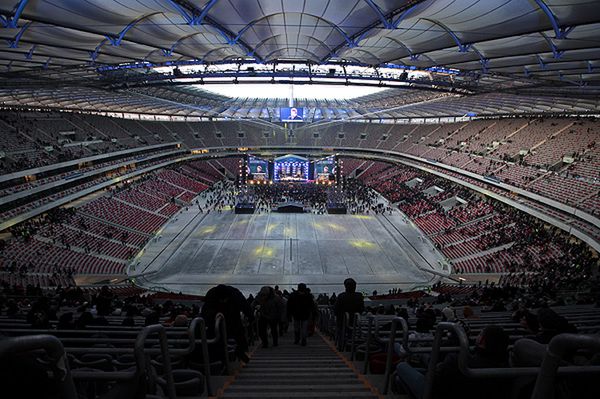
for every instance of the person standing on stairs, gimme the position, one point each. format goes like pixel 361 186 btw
pixel 230 302
pixel 350 302
pixel 270 309
pixel 301 307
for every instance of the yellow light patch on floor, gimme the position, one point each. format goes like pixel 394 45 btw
pixel 362 244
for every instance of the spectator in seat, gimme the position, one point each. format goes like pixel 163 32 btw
pixel 85 319
pixel 491 351
pixel 181 321
pixel 550 325
pixel 128 321
pixel 104 301
pixel 65 322
pixel 469 313
pixel 300 308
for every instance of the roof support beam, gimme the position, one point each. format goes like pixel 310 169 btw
pixel 198 20
pixel 94 54
pixel 555 51
pixel 413 57
pixel 357 37
pixel 386 23
pixel 116 40
pixel 14 43
pixel 462 47
pixel 169 52
pixel 541 62
pixel 212 51
pixel 559 33
pixel 484 61
pixel 484 64
pixel 192 17
pixel 12 22
pixel 181 10
pixel 29 54
pixel 349 41
pixel 403 16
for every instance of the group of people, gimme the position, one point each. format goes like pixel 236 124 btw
pixel 272 309
pixel 350 193
pixel 547 254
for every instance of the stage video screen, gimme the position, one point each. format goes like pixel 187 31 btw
pixel 291 168
pixel 291 114
pixel 325 169
pixel 258 169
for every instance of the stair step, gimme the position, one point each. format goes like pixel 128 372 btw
pixel 285 395
pixel 297 387
pixel 290 370
pixel 288 366
pixel 260 380
pixel 295 359
pixel 292 356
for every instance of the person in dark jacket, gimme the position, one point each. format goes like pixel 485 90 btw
pixel 551 324
pixel 300 308
pixel 349 302
pixel 230 302
pixel 270 310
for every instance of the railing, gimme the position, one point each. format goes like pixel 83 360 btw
pixel 558 348
pixel 390 349
pixel 354 328
pixel 545 374
pixel 197 326
pixel 56 353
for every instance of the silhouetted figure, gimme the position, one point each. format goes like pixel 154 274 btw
pixel 230 302
pixel 349 302
pixel 270 310
pixel 300 307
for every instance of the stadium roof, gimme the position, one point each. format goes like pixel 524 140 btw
pixel 545 37
pixel 547 47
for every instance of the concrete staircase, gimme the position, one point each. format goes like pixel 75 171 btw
pixel 294 371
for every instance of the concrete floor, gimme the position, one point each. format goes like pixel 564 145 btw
pixel 195 251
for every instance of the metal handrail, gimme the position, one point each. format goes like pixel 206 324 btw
pixel 368 343
pixel 55 351
pixel 358 329
pixel 355 327
pixel 221 335
pixel 205 356
pixel 341 335
pixel 196 323
pixel 492 372
pixel 557 349
pixel 390 349
pixel 140 354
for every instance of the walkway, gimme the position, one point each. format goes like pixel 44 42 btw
pixel 293 371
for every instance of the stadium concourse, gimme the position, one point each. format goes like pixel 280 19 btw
pixel 299 199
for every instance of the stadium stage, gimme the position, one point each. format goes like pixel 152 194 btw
pixel 195 251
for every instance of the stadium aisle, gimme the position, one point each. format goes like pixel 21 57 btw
pixel 294 371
